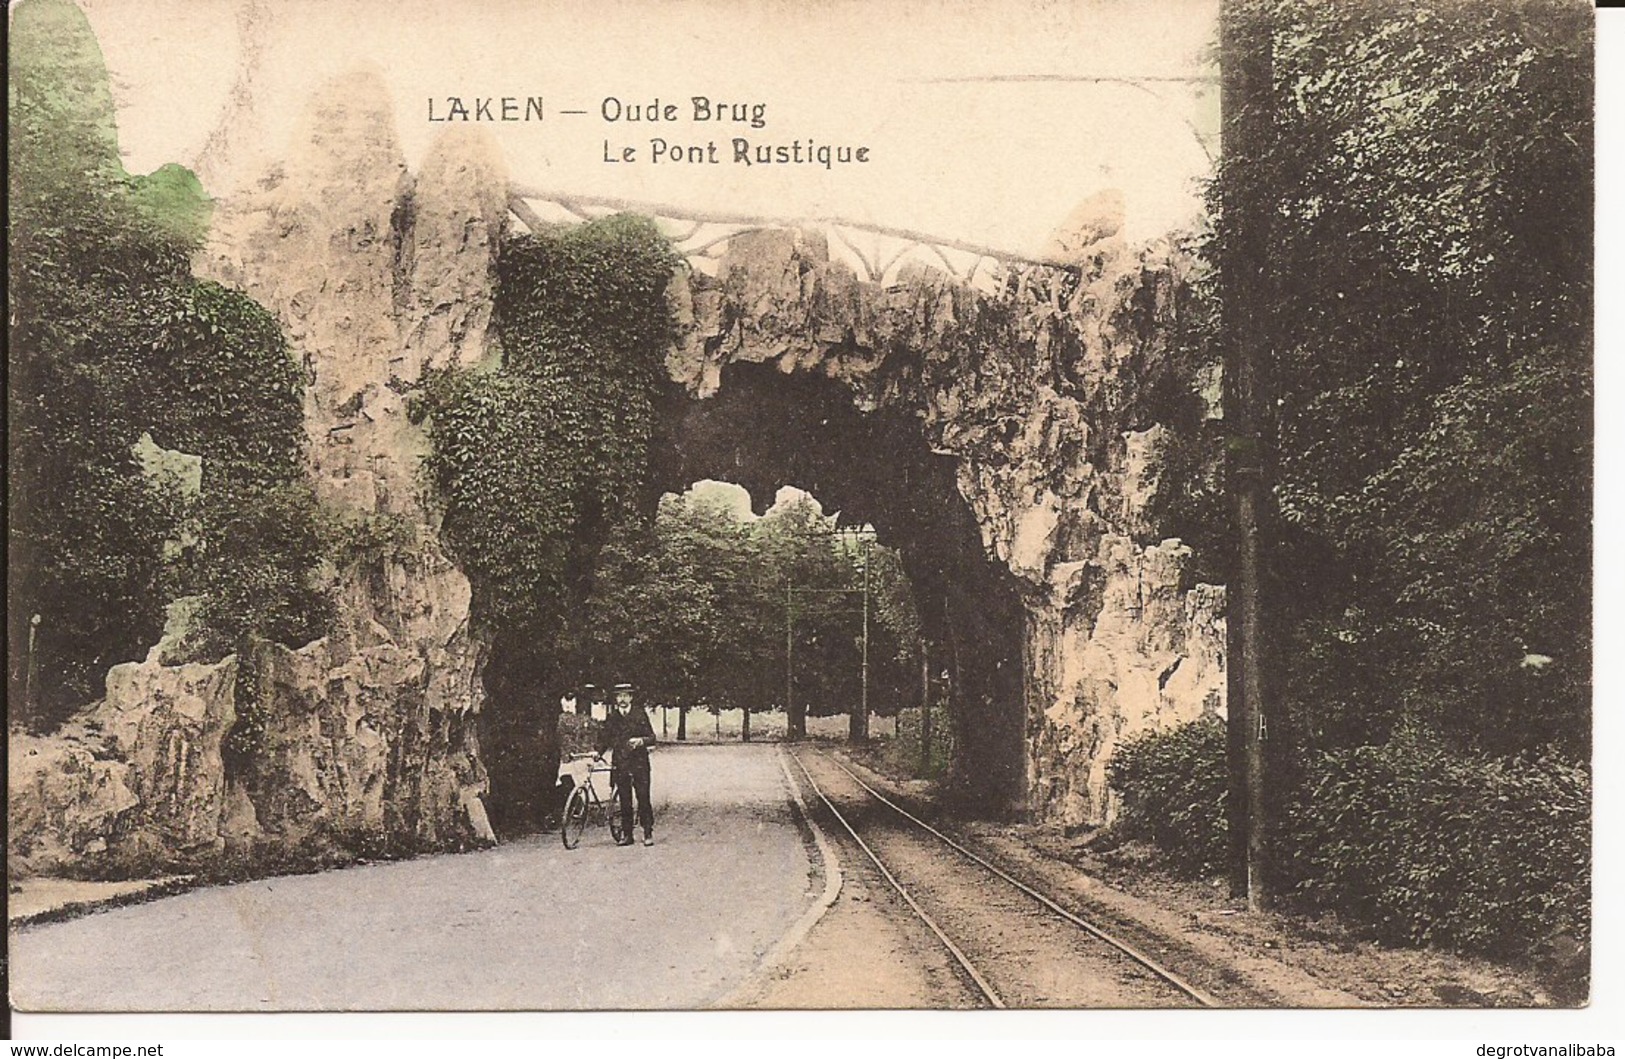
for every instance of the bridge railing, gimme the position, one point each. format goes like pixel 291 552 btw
pixel 875 251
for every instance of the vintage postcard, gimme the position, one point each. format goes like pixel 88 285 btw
pixel 749 504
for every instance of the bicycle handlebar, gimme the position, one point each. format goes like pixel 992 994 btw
pixel 598 764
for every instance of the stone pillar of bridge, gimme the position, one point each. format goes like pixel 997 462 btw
pixel 376 275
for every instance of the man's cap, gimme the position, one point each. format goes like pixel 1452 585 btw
pixel 623 687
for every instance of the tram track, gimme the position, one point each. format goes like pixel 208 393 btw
pixel 1013 945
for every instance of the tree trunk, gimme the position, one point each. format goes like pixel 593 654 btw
pixel 860 719
pixel 682 724
pixel 744 731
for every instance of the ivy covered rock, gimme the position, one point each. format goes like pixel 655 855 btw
pixel 322 695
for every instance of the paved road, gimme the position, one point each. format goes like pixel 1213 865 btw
pixel 526 926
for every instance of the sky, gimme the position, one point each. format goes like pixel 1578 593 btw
pixel 963 143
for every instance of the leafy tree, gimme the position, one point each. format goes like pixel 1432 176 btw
pixel 805 552
pixel 86 527
pixel 112 339
pixel 895 635
pixel 653 612
pixel 1429 181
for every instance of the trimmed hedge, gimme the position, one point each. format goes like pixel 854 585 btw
pixel 1421 843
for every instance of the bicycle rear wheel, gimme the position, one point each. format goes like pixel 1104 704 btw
pixel 575 818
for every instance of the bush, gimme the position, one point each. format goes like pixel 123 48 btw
pixel 1433 846
pixel 1423 844
pixel 904 750
pixel 1175 789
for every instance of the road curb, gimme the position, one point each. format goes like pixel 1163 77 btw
pixel 833 881
pixel 143 892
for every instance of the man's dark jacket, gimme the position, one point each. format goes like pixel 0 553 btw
pixel 619 728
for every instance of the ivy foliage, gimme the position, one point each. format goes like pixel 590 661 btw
pixel 111 339
pixel 537 461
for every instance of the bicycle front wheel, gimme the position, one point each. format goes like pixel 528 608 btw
pixel 575 818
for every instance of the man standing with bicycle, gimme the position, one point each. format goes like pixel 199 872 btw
pixel 628 735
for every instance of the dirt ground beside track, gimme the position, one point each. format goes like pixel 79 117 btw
pixel 1286 960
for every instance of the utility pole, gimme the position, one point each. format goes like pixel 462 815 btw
pixel 1246 85
pixel 796 723
pixel 860 720
pixel 925 710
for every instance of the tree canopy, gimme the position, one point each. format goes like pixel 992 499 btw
pixel 1428 184
pixel 112 341
pixel 696 608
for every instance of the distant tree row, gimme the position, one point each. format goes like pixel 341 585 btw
pixel 708 607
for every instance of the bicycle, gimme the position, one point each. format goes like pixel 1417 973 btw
pixel 584 802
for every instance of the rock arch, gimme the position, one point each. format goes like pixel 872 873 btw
pixel 1008 442
pixel 1011 442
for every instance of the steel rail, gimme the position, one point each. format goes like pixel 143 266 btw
pixel 964 961
pixel 1200 996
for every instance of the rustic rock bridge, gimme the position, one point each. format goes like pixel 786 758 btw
pixel 1007 425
